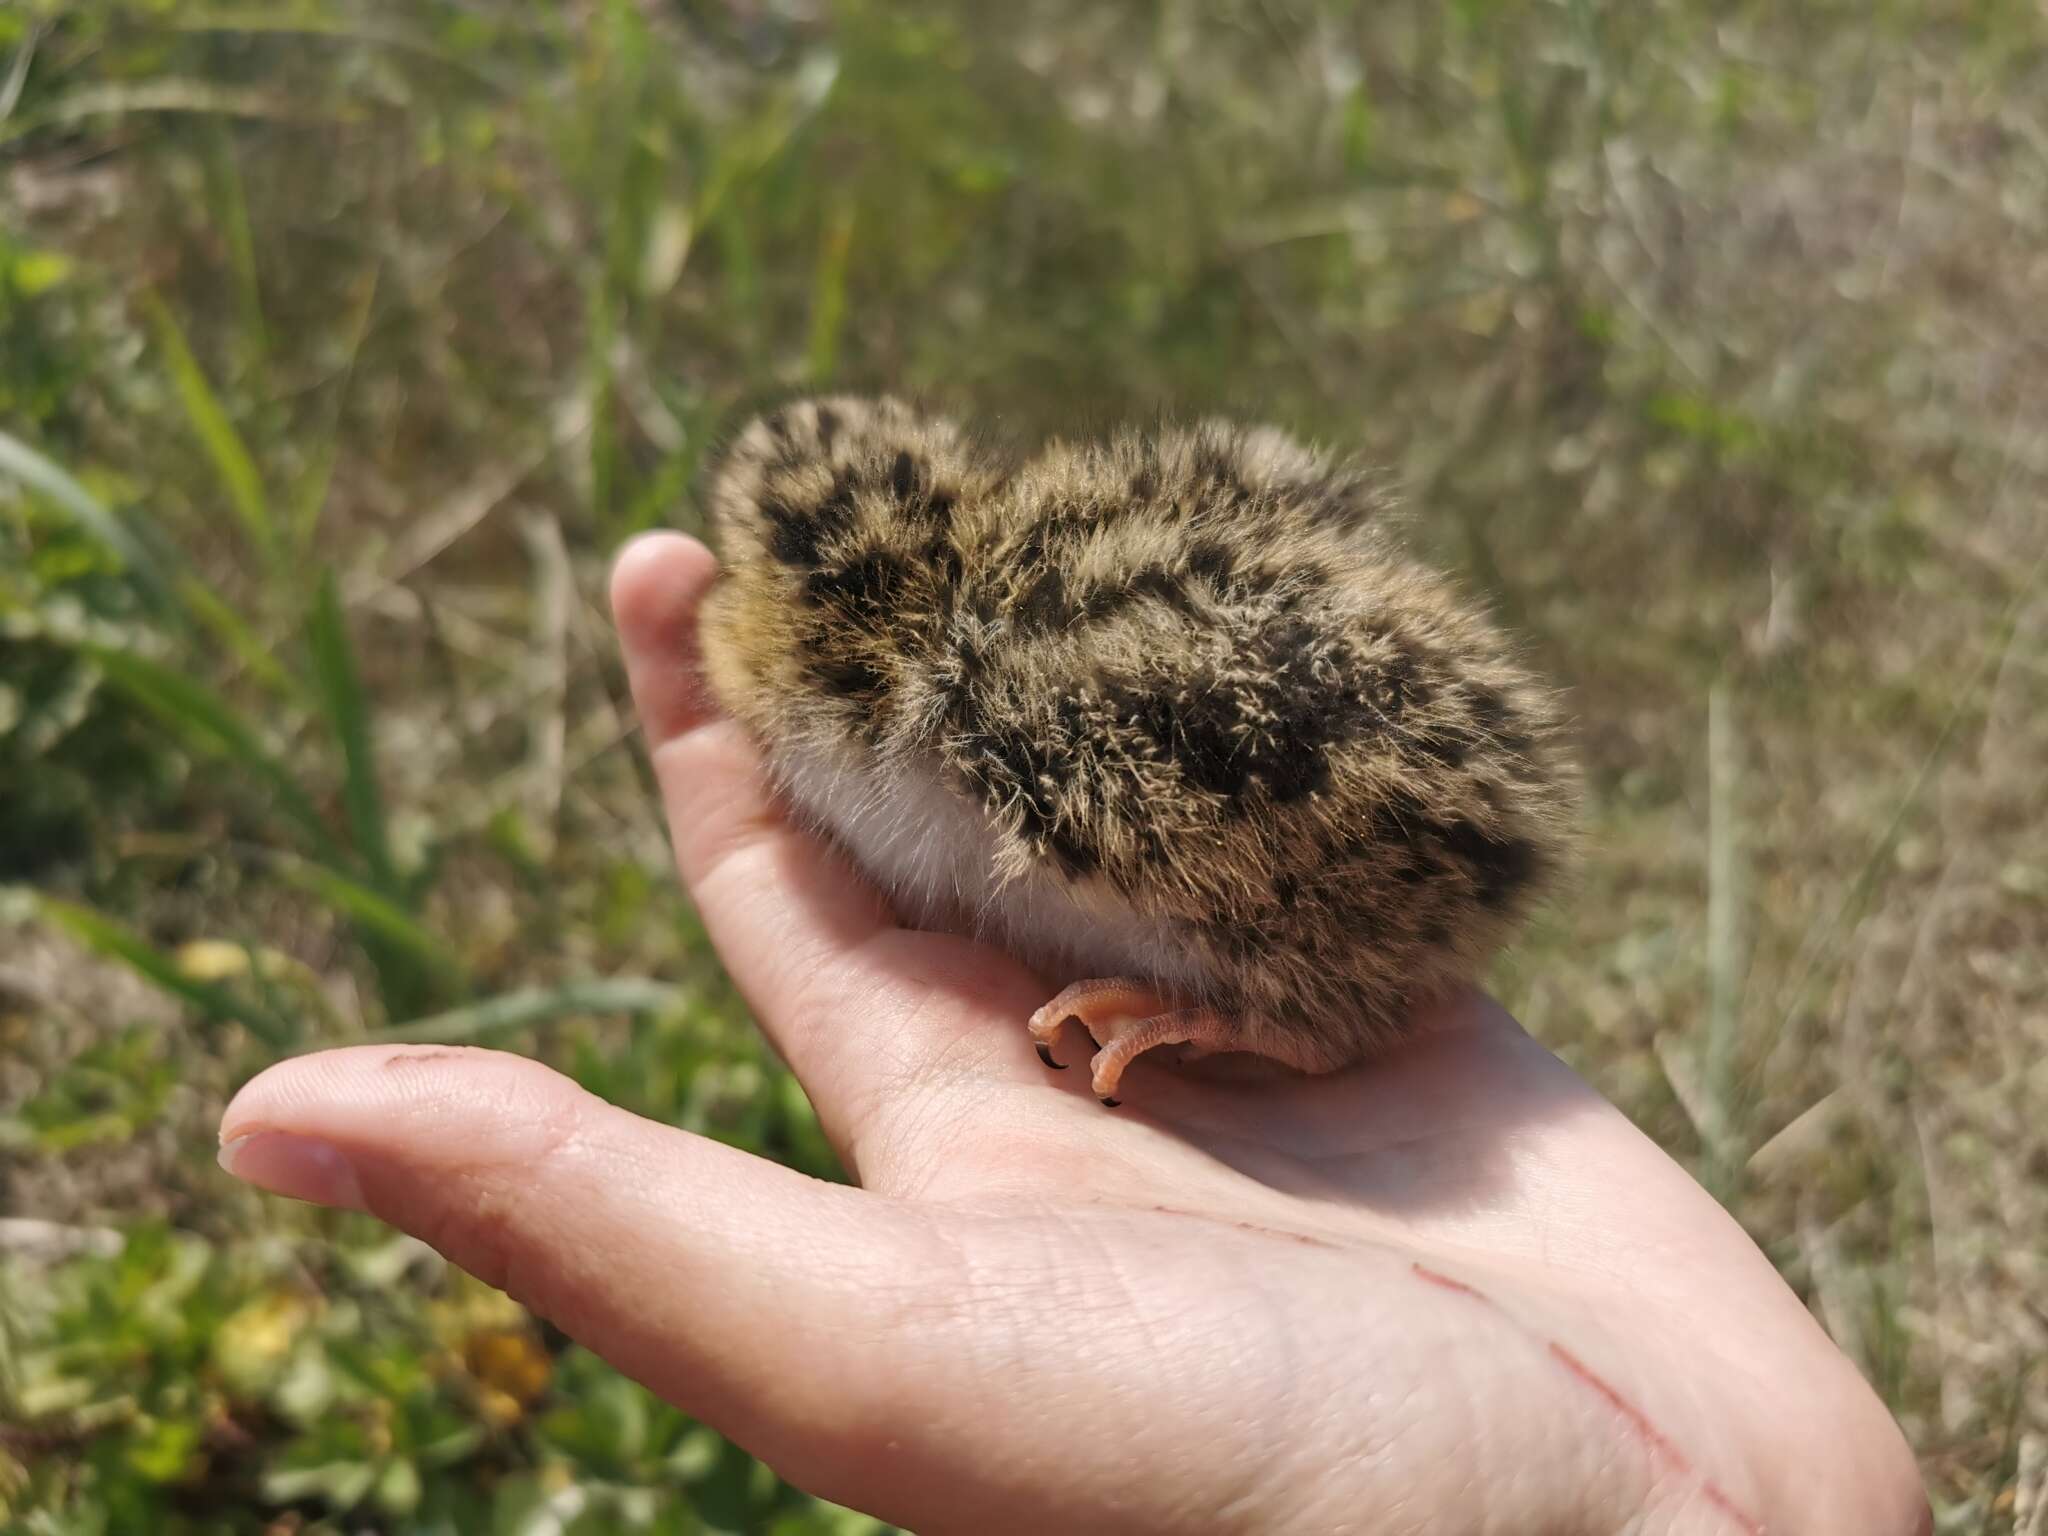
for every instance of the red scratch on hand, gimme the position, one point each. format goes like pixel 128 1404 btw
pixel 1635 1418
pixel 1655 1441
pixel 1433 1278
pixel 1751 1526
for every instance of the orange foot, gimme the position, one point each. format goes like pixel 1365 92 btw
pixel 1126 1018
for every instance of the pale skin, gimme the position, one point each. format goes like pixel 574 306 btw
pixel 1455 1291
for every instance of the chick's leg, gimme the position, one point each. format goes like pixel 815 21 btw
pixel 1127 1019
pixel 1202 1028
pixel 1093 1005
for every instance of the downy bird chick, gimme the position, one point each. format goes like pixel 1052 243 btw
pixel 1170 718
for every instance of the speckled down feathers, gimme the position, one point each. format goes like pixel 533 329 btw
pixel 1174 704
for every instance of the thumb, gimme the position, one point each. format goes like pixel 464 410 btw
pixel 754 1298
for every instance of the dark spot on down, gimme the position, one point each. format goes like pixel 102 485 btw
pixel 903 476
pixel 1391 686
pixel 1492 714
pixel 1499 866
pixel 1044 605
pixel 968 660
pixel 944 559
pixel 1443 743
pixel 793 537
pixel 1075 856
pixel 1025 768
pixel 911 484
pixel 1105 602
pixel 1160 583
pixel 828 427
pixel 1489 709
pixel 1417 869
pixel 864 589
pixel 1111 598
pixel 838 505
pixel 797 532
pixel 981 603
pixel 1268 725
pixel 1263 581
pixel 1217 469
pixel 1212 561
pixel 1331 501
pixel 851 678
pixel 1398 818
pixel 1013 767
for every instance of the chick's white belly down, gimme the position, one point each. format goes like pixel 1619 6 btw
pixel 934 856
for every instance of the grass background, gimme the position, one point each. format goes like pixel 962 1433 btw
pixel 340 343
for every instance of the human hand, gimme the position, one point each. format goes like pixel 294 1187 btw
pixel 1453 1291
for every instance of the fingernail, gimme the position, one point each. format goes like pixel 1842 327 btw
pixel 295 1166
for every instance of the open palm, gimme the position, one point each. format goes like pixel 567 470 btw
pixel 1455 1291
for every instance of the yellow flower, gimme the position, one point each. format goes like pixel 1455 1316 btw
pixel 511 1371
pixel 212 960
pixel 251 1344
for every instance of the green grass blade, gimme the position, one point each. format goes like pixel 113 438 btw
pixel 1727 1136
pixel 209 722
pixel 309 499
pixel 105 936
pixel 219 618
pixel 603 451
pixel 373 913
pixel 41 473
pixel 748 148
pixel 1819 946
pixel 170 94
pixel 230 208
pixel 347 711
pixel 216 433
pixel 666 492
pixel 538 1005
pixel 828 293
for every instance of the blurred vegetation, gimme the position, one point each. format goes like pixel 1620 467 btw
pixel 340 343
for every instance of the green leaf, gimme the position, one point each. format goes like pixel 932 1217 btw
pixel 107 937
pixel 39 271
pixel 214 612
pixel 451 1445
pixel 373 913
pixel 208 721
pixel 667 489
pixel 164 1449
pixel 43 474
pixel 398 1487
pixel 604 1425
pixel 539 1005
pixel 216 433
pixel 347 711
pixel 343 1484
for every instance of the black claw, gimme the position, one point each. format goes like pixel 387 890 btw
pixel 1111 1103
pixel 1045 1055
